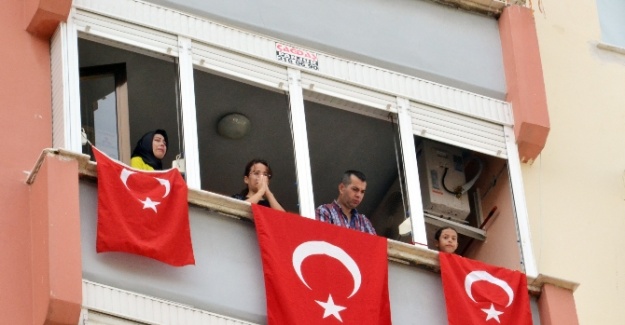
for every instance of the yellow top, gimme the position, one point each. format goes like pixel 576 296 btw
pixel 138 163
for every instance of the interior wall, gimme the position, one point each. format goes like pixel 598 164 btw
pixel 501 245
pixel 416 37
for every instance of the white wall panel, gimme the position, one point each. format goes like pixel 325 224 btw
pixel 459 130
pixel 124 307
pixel 347 96
pixel 59 88
pixel 126 33
pixel 240 67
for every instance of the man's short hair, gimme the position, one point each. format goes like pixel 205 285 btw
pixel 347 176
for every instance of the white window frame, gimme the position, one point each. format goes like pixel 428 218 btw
pixel 384 90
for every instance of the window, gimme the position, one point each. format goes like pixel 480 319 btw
pixel 341 140
pixel 612 20
pixel 125 94
pixel 223 159
pixel 352 114
pixel 463 189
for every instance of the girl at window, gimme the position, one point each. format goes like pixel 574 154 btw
pixel 149 151
pixel 256 176
pixel 446 239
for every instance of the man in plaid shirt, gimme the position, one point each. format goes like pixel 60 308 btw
pixel 342 212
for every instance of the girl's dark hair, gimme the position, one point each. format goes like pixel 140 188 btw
pixel 248 169
pixel 438 233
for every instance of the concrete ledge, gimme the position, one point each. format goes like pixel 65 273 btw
pixel 487 7
pixel 46 15
pixel 55 238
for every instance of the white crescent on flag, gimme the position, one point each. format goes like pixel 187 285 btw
pixel 309 248
pixel 485 276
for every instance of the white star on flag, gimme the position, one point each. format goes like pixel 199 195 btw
pixel 492 313
pixel 149 204
pixel 330 308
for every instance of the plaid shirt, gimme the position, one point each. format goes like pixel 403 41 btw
pixel 333 214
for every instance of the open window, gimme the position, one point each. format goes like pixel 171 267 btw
pixel 357 138
pixel 126 92
pixel 469 191
pixel 239 121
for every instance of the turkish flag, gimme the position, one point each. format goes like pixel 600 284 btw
pixel 478 293
pixel 318 273
pixel 143 212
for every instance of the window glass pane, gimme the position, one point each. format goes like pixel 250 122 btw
pixel 224 154
pixel 144 100
pixel 341 140
pixel 99 112
pixel 612 20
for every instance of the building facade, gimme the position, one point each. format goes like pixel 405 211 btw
pixel 418 95
pixel 582 53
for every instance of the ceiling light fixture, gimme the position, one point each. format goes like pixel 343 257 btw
pixel 234 126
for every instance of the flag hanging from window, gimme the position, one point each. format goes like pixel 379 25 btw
pixel 317 273
pixel 481 294
pixel 143 213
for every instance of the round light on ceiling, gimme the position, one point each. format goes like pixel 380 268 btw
pixel 234 126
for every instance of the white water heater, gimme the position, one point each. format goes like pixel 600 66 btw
pixel 440 163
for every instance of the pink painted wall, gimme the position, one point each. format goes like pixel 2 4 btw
pixel 557 306
pixel 500 247
pixel 25 127
pixel 524 77
pixel 55 232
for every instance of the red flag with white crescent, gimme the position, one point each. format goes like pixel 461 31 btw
pixel 477 293
pixel 318 273
pixel 143 212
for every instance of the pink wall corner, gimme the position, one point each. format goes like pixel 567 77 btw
pixel 524 77
pixel 500 247
pixel 56 254
pixel 557 306
pixel 43 16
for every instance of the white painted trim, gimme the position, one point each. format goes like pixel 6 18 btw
pixel 609 47
pixel 132 306
pixel 520 203
pixel 458 130
pixel 60 92
pixel 236 66
pixel 347 92
pixel 128 33
pixel 411 172
pixel 300 144
pixel 74 140
pixel 189 117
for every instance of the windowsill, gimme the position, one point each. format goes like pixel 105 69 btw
pixel 398 252
pixel 612 48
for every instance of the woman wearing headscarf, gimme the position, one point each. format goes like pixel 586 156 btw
pixel 149 151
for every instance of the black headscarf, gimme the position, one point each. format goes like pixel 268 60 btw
pixel 145 151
